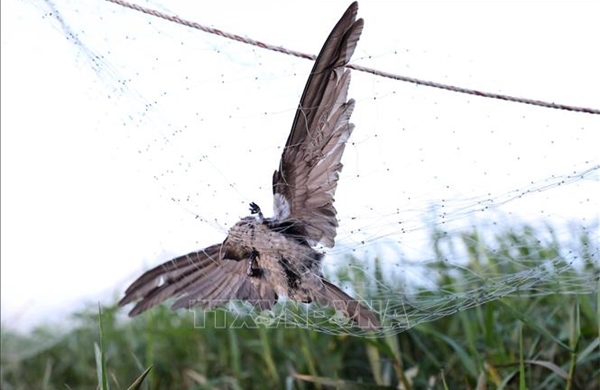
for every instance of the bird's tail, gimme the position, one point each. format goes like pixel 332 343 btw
pixel 353 309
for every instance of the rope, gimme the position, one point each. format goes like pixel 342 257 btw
pixel 210 30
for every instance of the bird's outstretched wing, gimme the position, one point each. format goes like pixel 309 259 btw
pixel 202 278
pixel 305 183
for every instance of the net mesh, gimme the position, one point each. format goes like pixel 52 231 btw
pixel 446 201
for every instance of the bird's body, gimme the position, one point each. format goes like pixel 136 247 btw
pixel 264 258
pixel 281 259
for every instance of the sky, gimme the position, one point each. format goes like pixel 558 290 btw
pixel 135 139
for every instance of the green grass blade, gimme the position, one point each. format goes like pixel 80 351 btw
pixel 137 384
pixel 522 383
pixel 100 358
pixel 340 383
pixel 526 319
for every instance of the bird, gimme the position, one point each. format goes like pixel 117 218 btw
pixel 263 259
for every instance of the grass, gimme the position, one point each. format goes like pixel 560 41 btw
pixel 519 341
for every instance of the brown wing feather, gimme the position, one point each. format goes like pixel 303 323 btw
pixel 198 278
pixel 330 295
pixel 305 184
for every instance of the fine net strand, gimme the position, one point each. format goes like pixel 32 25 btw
pixel 445 202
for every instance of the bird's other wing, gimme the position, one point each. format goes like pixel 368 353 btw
pixel 305 184
pixel 331 295
pixel 200 278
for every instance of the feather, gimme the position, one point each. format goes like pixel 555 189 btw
pixel 303 191
pixel 332 296
pixel 198 278
pixel 305 184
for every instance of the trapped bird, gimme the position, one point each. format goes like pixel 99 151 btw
pixel 264 258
